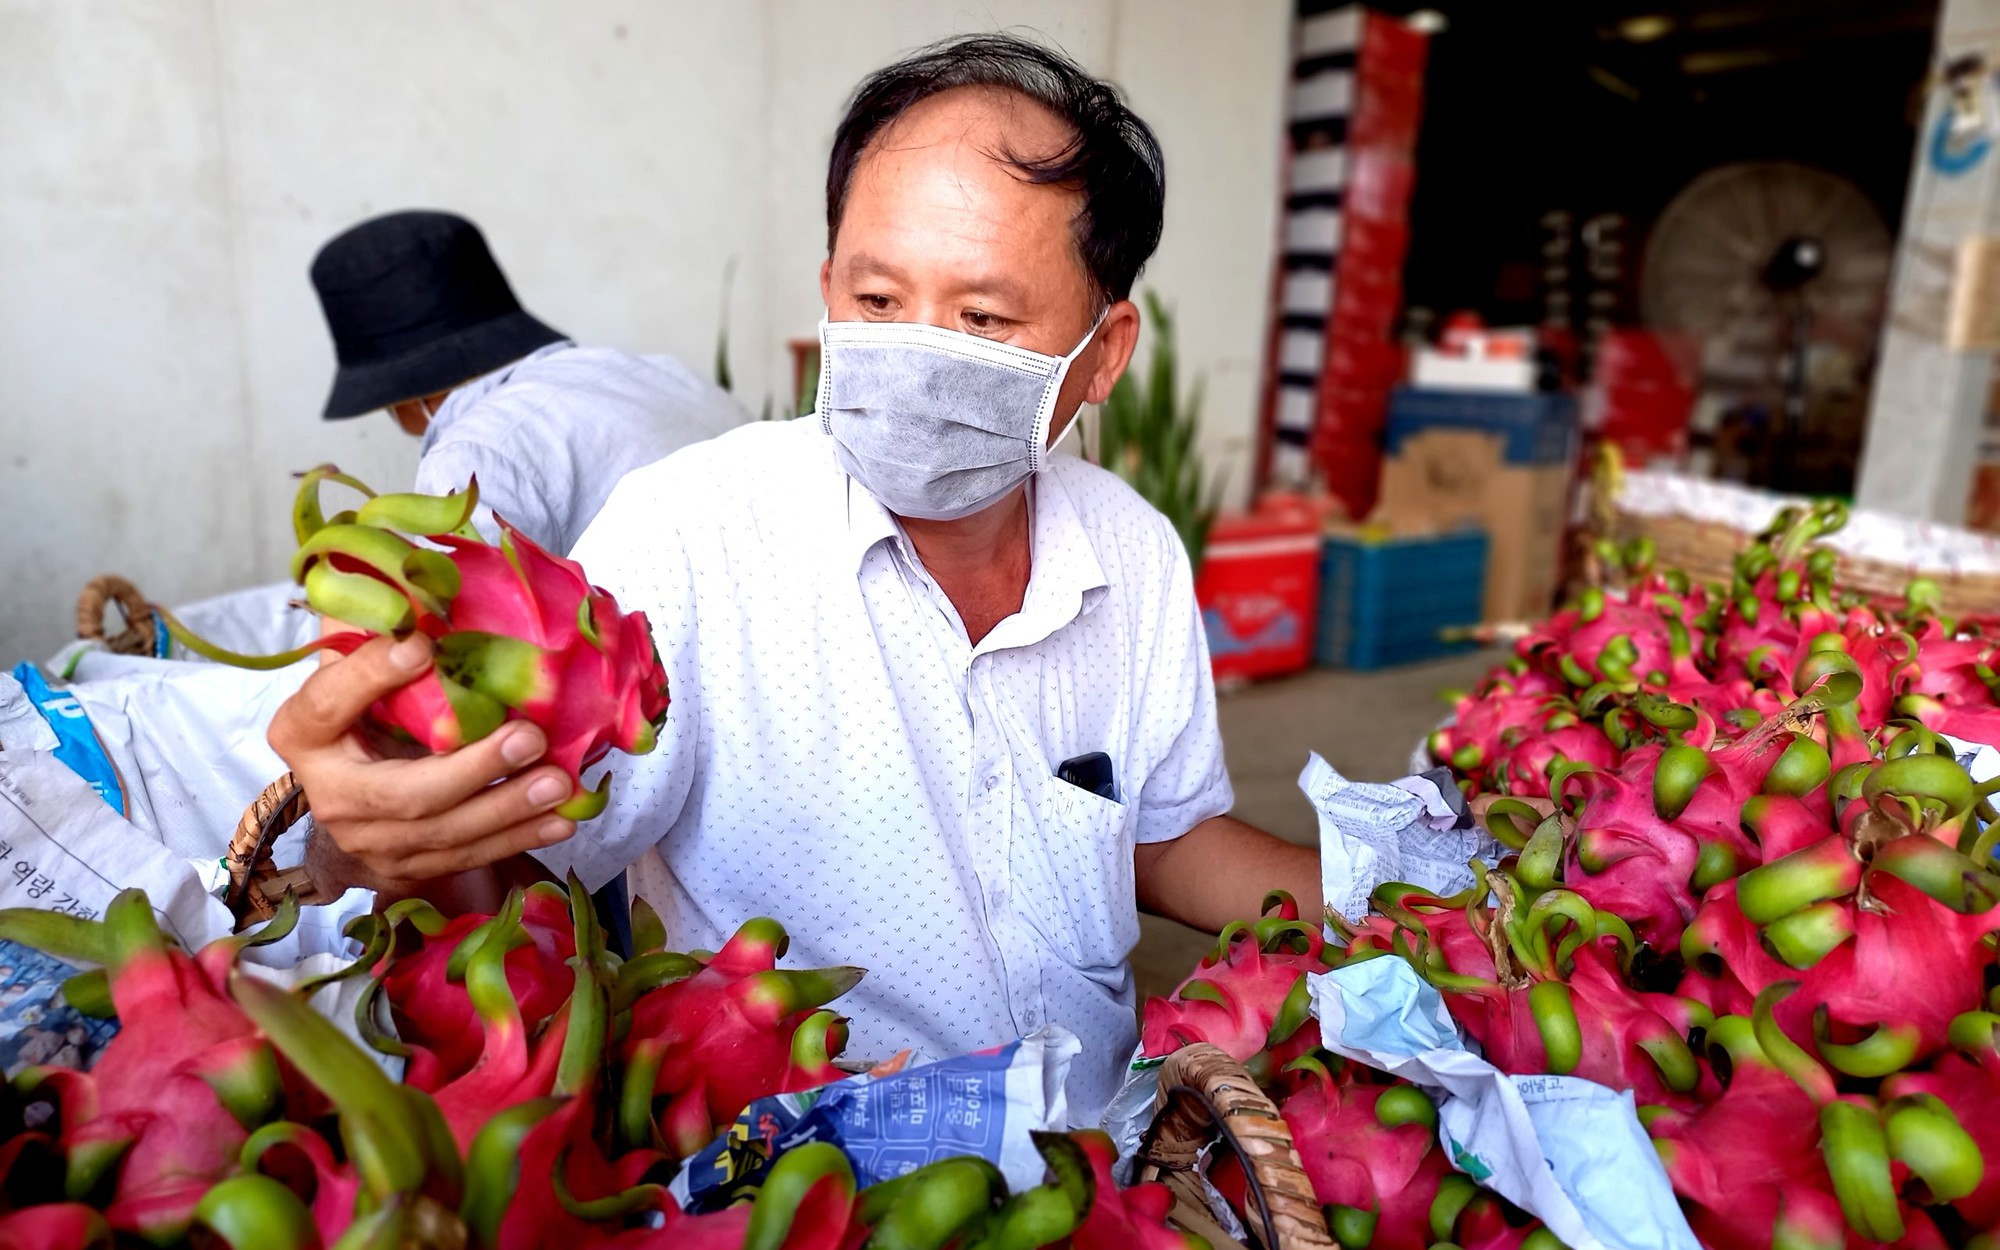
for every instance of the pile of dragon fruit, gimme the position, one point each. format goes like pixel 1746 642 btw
pixel 1747 880
pixel 550 1090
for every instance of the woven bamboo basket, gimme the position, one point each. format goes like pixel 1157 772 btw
pixel 256 884
pixel 1205 1097
pixel 137 636
pixel 1707 548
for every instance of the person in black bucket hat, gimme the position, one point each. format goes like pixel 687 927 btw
pixel 425 326
pixel 416 304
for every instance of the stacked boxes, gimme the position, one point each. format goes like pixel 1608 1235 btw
pixel 1355 101
pixel 1493 459
pixel 1387 601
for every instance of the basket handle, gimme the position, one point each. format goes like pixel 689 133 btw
pixel 137 638
pixel 255 881
pixel 1203 1092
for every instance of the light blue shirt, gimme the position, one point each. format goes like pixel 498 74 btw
pixel 552 433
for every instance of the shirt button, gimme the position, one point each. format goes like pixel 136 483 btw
pixel 992 782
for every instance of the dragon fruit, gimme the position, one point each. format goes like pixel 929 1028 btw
pixel 1610 639
pixel 161 1116
pixel 1124 1219
pixel 714 1037
pixel 1748 1159
pixel 1472 743
pixel 1667 825
pixel 519 633
pixel 1371 1153
pixel 1967 1083
pixel 1882 923
pixel 55 1226
pixel 1248 996
pixel 439 1026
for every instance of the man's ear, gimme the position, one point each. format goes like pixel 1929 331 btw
pixel 1117 338
pixel 826 281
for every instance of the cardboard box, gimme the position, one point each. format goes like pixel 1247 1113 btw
pixel 1500 462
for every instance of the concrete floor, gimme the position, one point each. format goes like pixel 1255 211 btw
pixel 1364 724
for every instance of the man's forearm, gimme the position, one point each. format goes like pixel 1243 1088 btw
pixel 1220 871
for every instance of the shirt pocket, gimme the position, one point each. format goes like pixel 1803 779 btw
pixel 1075 876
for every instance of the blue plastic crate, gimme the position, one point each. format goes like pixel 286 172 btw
pixel 1533 428
pixel 1384 602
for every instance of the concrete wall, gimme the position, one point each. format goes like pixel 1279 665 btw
pixel 167 170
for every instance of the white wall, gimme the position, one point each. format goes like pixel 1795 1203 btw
pixel 168 170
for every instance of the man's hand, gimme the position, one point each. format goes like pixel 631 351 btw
pixel 1220 871
pixel 411 820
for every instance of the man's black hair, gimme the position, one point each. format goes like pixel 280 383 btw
pixel 1112 157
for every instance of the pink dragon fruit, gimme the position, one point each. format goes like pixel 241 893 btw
pixel 1248 996
pixel 717 1036
pixel 1748 1162
pixel 1552 735
pixel 54 1226
pixel 170 1101
pixel 1967 1084
pixel 520 633
pixel 1472 744
pixel 1371 1153
pixel 1124 1219
pixel 1882 923
pixel 438 1025
pixel 1951 670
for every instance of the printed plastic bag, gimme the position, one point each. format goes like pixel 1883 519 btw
pixel 986 1104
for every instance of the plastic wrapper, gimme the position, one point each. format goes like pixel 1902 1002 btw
pixel 1568 1150
pixel 986 1104
pixel 1415 830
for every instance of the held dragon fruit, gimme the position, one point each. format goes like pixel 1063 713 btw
pixel 519 633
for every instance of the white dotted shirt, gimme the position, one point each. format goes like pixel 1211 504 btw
pixel 838 755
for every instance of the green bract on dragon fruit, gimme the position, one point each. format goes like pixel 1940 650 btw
pixel 520 633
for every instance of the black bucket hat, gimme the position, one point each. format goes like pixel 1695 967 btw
pixel 416 304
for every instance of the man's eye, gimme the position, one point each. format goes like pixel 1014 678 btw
pixel 980 322
pixel 875 303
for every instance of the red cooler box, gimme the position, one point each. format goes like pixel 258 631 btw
pixel 1259 591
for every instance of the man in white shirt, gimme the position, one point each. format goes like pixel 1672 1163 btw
pixel 425 325
pixel 941 700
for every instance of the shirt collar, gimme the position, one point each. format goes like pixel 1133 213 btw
pixel 466 394
pixel 1065 579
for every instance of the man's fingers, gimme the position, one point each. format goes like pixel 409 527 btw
pixel 381 836
pixel 529 835
pixel 432 784
pixel 333 699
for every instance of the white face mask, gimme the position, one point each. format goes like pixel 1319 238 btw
pixel 934 423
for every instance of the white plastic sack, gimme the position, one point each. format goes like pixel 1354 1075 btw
pixel 260 621
pixel 62 849
pixel 187 740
